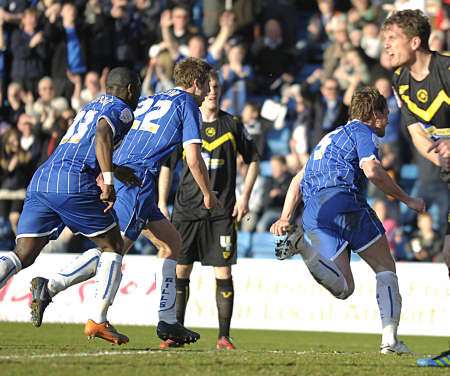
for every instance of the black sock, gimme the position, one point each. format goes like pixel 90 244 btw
pixel 182 285
pixel 224 300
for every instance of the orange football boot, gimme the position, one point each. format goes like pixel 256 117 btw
pixel 225 343
pixel 105 331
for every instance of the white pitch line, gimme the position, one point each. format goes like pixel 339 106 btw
pixel 151 352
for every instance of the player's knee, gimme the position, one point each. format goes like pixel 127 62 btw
pixel 222 272
pixel 184 271
pixel 346 291
pixel 26 256
pixel 170 250
pixel 118 245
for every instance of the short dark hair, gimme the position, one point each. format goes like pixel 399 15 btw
pixel 365 102
pixel 189 70
pixel 121 77
pixel 413 23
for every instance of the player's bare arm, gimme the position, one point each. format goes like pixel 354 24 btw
pixel 103 151
pixel 378 176
pixel 164 182
pixel 241 206
pixel 199 171
pixel 422 142
pixel 292 200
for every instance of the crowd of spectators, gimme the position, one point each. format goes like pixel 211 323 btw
pixel 288 69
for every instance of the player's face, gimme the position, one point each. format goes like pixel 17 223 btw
pixel 134 91
pixel 201 91
pixel 381 122
pixel 212 100
pixel 398 46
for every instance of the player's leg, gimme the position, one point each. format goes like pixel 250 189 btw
pixel 84 214
pixel 188 231
pixel 216 246
pixel 107 280
pixel 225 302
pixel 26 251
pixel 182 285
pixel 167 239
pixel 389 299
pixel 37 225
pixel 326 257
pixel 322 247
pixel 84 266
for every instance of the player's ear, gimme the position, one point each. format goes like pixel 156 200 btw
pixel 415 43
pixel 130 90
pixel 196 83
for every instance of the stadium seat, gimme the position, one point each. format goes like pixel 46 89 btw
pixel 244 243
pixel 408 176
pixel 265 169
pixel 6 235
pixel 278 141
pixel 263 245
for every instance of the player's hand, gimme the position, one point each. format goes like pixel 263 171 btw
pixel 211 201
pixel 240 209
pixel 280 227
pixel 126 176
pixel 442 147
pixel 165 210
pixel 108 196
pixel 416 204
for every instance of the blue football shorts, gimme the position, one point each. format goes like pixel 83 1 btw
pixel 46 214
pixel 136 206
pixel 335 219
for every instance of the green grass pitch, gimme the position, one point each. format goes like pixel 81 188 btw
pixel 56 349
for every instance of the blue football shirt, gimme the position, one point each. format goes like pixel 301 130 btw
pixel 161 123
pixel 337 159
pixel 73 166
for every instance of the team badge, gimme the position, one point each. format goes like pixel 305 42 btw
pixel 225 243
pixel 210 131
pixel 126 115
pixel 422 95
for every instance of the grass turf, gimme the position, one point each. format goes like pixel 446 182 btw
pixel 56 349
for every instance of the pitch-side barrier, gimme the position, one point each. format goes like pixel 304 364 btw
pixel 269 294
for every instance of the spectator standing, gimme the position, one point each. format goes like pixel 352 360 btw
pixel 47 107
pixel 275 192
pixel 69 50
pixel 235 77
pixel 15 170
pixel 28 52
pixel 273 62
pixel 328 109
pixel 425 244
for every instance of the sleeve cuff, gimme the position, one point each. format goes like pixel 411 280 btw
pixel 108 120
pixel 192 141
pixel 369 158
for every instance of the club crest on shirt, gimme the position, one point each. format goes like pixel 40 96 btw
pixel 422 95
pixel 210 131
pixel 126 115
